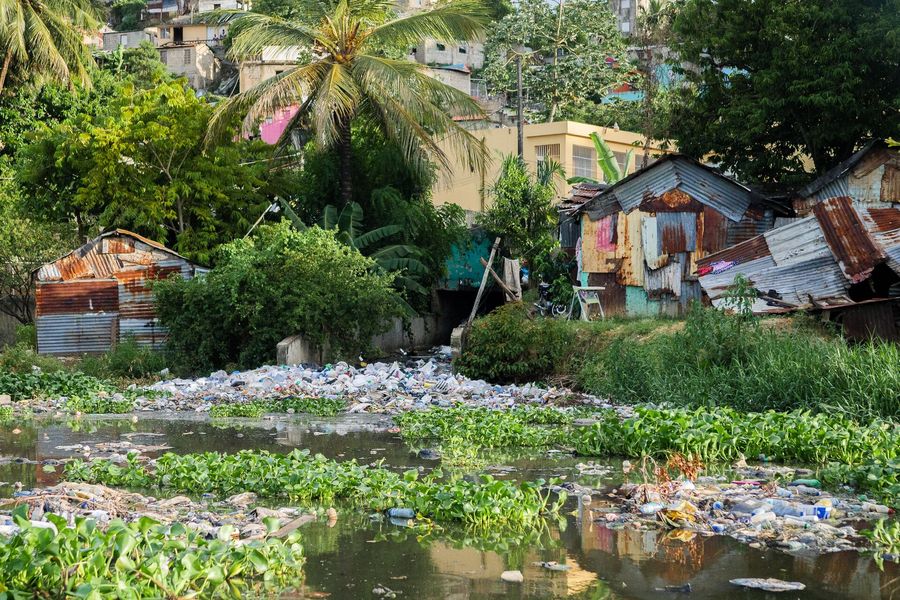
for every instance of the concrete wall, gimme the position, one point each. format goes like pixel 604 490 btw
pixel 470 190
pixel 424 333
pixel 195 62
pixel 433 52
pixel 124 39
pixel 455 79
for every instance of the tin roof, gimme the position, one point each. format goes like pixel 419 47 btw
pixel 830 177
pixel 677 171
pixel 810 262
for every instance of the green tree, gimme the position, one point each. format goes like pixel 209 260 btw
pixel 572 51
pixel 44 38
pixel 350 78
pixel 25 244
pixel 775 81
pixel 522 212
pixel 278 283
pixel 143 167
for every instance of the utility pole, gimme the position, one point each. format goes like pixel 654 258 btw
pixel 519 120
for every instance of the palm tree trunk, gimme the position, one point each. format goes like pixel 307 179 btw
pixel 345 157
pixel 5 70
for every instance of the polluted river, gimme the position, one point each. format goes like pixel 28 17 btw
pixel 626 529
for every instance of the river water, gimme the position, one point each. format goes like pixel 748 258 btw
pixel 359 555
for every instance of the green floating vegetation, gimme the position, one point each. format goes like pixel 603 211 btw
pixel 320 407
pixel 724 434
pixel 300 476
pixel 143 559
pixel 99 405
pixel 41 384
pixel 6 413
pixel 528 427
pixel 879 477
pixel 885 539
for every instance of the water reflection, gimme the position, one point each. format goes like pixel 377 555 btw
pixel 356 556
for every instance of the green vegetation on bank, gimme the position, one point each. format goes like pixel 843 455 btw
pixel 487 428
pixel 320 407
pixel 142 559
pixel 303 477
pixel 713 359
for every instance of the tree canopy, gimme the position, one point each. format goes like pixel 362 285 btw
pixel 572 52
pixel 349 77
pixel 776 80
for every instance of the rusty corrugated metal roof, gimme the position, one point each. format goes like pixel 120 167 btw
pixel 675 171
pixel 811 262
pixel 848 238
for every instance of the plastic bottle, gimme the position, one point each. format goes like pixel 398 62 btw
pixel 809 491
pixel 401 513
pixel 807 482
pixel 783 509
pixel 762 517
pixel 877 508
pixel 784 493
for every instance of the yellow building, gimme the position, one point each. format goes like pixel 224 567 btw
pixel 566 142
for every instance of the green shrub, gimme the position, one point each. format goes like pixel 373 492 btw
pixel 26 335
pixel 279 283
pixel 506 345
pixel 128 360
pixel 22 358
pixel 99 405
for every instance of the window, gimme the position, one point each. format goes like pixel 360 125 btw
pixel 414 50
pixel 187 56
pixel 546 151
pixel 123 40
pixel 620 160
pixel 162 56
pixel 441 47
pixel 583 162
pixel 462 50
pixel 217 6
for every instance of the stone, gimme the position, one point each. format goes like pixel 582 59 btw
pixel 512 576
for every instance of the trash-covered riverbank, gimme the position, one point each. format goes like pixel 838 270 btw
pixel 376 388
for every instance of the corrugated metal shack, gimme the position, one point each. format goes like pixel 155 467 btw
pixel 98 294
pixel 641 237
pixel 871 177
pixel 842 260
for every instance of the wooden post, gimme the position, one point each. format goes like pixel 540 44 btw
pixel 483 282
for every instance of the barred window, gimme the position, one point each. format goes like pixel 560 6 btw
pixel 546 151
pixel 187 56
pixel 584 163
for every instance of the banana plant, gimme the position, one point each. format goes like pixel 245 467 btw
pixel 607 162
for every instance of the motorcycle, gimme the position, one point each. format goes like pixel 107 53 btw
pixel 545 307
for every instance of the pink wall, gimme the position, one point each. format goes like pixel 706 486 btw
pixel 270 132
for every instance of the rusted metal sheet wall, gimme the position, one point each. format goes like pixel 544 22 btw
pixel 613 297
pixel 597 254
pixel 677 232
pixel 667 279
pixel 76 333
pixel 755 222
pixel 873 320
pixel 100 294
pixel 847 238
pixel 630 249
pixel 650 244
pixel 801 240
pixel 713 230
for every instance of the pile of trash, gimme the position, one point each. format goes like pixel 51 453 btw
pixel 794 515
pixel 102 504
pixel 374 388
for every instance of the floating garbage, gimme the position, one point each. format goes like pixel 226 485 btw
pixel 769 585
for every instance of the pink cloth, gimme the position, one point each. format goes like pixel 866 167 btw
pixel 606 234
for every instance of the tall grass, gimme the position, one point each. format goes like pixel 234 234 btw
pixel 713 360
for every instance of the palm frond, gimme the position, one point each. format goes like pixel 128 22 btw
pixel 408 265
pixel 336 101
pixel 253 32
pixel 329 218
pixel 456 20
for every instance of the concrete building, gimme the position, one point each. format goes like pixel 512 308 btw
pixel 126 39
pixel 627 12
pixel 195 61
pixel 211 5
pixel 457 76
pixel 273 61
pixel 566 142
pixel 434 53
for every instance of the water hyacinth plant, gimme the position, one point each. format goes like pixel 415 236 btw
pixel 320 407
pixel 142 559
pixel 302 477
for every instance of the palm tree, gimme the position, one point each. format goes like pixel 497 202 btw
pixel 45 38
pixel 350 77
pixel 607 162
